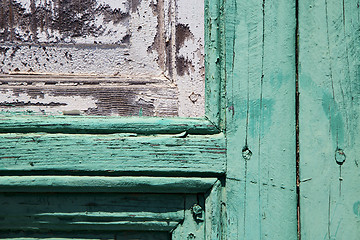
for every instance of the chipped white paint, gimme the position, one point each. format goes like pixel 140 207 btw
pixel 122 5
pixel 48 103
pixel 190 13
pixel 161 39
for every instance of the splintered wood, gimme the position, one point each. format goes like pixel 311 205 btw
pixel 102 57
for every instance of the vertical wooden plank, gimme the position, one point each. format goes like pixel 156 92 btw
pixel 260 65
pixel 329 84
pixel 214 213
pixel 214 62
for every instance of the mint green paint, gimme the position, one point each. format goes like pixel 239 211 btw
pixel 104 125
pixel 277 78
pixel 333 113
pixel 113 154
pixel 356 208
pixel 214 61
pixel 329 56
pixel 124 184
pixel 255 111
pixel 260 87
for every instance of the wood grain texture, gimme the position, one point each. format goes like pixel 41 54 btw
pixel 329 83
pixel 89 95
pixel 161 39
pixel 95 211
pixel 260 114
pixel 26 123
pixel 215 214
pixel 215 62
pixel 105 184
pixel 112 153
pixel 87 235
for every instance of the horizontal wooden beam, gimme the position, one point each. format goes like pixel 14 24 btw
pixel 22 123
pixel 90 211
pixel 105 184
pixel 112 154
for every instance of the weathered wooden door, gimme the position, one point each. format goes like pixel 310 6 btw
pixel 274 156
pixel 88 152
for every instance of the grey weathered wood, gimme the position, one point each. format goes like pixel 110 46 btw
pixel 261 162
pixel 84 95
pixel 113 153
pixel 329 85
pixel 138 40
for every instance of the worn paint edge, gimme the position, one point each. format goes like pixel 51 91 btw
pixel 105 184
pixel 215 62
pixel 104 125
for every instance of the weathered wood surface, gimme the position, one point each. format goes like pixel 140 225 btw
pixel 261 163
pixel 215 213
pixel 83 95
pixel 87 235
pixel 193 226
pixel 329 85
pixel 140 40
pixel 91 211
pixel 26 123
pixel 214 62
pixel 105 184
pixel 116 153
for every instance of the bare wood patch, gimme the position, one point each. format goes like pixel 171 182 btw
pixel 84 95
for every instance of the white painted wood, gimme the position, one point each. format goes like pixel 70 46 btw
pixel 125 39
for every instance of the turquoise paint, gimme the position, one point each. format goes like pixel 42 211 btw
pixel 356 208
pixel 277 78
pixel 329 117
pixel 260 115
pixel 260 52
pixel 334 115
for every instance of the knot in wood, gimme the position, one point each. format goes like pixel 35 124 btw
pixel 340 156
pixel 246 153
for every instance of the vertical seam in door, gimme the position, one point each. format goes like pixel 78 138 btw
pixel 297 108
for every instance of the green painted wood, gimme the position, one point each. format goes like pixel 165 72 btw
pixel 88 235
pixel 26 123
pixel 113 154
pixel 261 141
pixel 329 85
pixel 193 226
pixel 214 62
pixel 215 217
pixel 105 184
pixel 91 211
